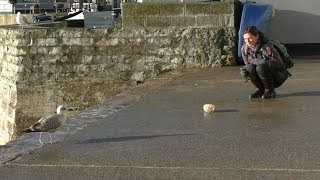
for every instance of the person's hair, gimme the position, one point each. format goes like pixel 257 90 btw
pixel 255 31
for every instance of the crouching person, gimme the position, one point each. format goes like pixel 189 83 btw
pixel 263 64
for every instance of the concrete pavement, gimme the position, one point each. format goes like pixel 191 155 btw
pixel 159 131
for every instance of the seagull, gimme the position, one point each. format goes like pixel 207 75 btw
pixel 49 123
pixel 21 20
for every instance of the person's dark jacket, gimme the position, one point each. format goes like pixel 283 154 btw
pixel 266 53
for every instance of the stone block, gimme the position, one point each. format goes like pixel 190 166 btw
pixel 22 50
pixel 37 33
pixel 132 10
pixel 54 50
pixel 159 22
pixel 209 21
pixel 151 9
pixel 178 21
pixel 45 42
pixel 129 22
pixel 197 9
pixel 171 9
pixel 221 8
pixel 228 21
pixel 190 21
pixel 112 42
pixel 70 33
pixel 158 42
pixel 72 41
pixel 42 50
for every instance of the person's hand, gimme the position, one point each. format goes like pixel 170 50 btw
pixel 258 61
pixel 244 73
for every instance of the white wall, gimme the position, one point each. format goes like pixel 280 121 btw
pixel 5 6
pixel 295 21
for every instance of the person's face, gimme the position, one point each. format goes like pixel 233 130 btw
pixel 250 39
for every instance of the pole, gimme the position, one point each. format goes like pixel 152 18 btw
pixel 80 4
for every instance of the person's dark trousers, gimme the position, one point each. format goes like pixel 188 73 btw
pixel 260 88
pixel 255 80
pixel 261 78
pixel 270 93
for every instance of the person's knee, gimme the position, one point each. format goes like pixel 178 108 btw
pixel 251 68
pixel 263 68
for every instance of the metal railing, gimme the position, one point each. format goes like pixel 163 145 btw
pixel 42 7
pixel 34 8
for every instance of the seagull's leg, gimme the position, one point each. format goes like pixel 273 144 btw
pixel 40 141
pixel 50 138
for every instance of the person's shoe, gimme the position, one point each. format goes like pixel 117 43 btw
pixel 260 89
pixel 258 94
pixel 269 94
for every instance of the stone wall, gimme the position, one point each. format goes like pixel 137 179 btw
pixel 44 67
pixel 197 14
pixel 212 26
pixel 8 19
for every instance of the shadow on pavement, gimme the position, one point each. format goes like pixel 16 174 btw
pixel 128 138
pixel 226 110
pixel 310 93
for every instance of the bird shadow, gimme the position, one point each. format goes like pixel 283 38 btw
pixel 225 110
pixel 128 138
pixel 306 93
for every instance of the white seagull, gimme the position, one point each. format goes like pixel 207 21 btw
pixel 21 20
pixel 49 123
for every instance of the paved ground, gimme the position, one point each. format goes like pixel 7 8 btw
pixel 160 132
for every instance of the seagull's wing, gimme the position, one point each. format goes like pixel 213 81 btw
pixel 24 20
pixel 48 123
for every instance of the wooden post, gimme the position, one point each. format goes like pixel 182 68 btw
pixel 80 4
